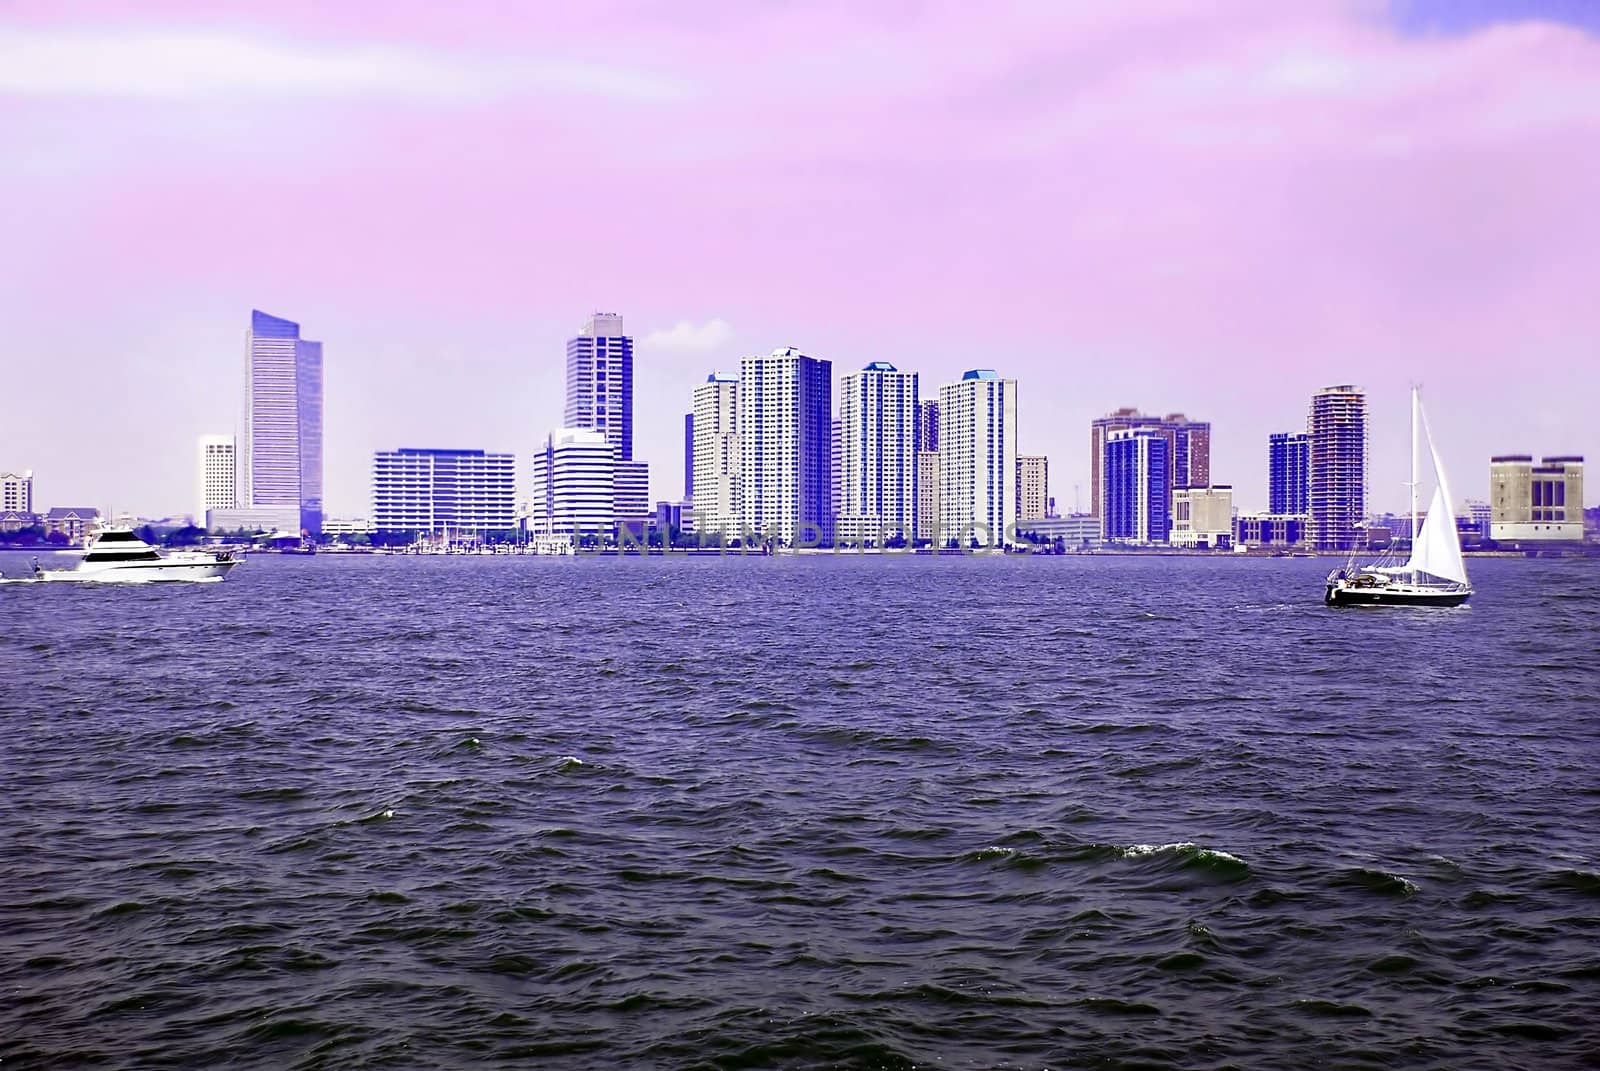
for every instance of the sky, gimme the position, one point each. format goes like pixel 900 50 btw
pixel 1209 209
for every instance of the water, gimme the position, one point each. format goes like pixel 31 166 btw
pixel 799 813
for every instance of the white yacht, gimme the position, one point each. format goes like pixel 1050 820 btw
pixel 117 555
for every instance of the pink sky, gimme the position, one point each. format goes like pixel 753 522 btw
pixel 1133 204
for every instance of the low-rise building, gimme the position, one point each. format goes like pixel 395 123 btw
pixel 1271 530
pixel 1076 531
pixel 1202 517
pixel 75 522
pixel 254 519
pixel 1535 503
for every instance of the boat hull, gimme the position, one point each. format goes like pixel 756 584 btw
pixel 165 571
pixel 1338 595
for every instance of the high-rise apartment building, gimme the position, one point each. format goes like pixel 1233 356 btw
pixel 216 478
pixel 573 489
pixel 280 453
pixel 978 459
pixel 16 492
pixel 878 412
pixel 1337 467
pixel 785 447
pixel 716 455
pixel 1033 487
pixel 433 491
pixel 1188 449
pixel 928 519
pixel 1288 473
pixel 928 425
pixel 1532 503
pixel 1137 486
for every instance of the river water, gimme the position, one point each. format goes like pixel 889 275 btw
pixel 799 812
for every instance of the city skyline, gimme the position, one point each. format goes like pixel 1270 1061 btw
pixel 1365 198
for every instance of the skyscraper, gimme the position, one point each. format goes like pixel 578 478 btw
pixel 716 454
pixel 431 491
pixel 280 464
pixel 1288 473
pixel 785 446
pixel 1137 486
pixel 835 470
pixel 1188 449
pixel 688 457
pixel 573 488
pixel 928 425
pixel 217 477
pixel 927 470
pixel 600 398
pixel 1337 496
pixel 978 458
pixel 878 413
pixel 1033 486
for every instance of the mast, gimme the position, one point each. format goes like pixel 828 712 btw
pixel 1414 404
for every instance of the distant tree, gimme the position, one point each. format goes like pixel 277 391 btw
pixel 187 536
pixel 147 534
pixel 57 538
pixel 358 539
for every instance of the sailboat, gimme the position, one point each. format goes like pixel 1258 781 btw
pixel 1435 574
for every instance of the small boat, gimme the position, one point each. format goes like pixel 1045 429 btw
pixel 118 555
pixel 1435 574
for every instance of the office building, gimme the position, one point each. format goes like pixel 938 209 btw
pixel 1188 450
pixel 434 492
pixel 1288 473
pixel 600 382
pixel 688 457
pixel 633 490
pixel 1136 486
pixel 716 455
pixel 878 413
pixel 1535 503
pixel 280 452
pixel 1337 467
pixel 1202 517
pixel 785 447
pixel 1076 531
pixel 1033 487
pixel 216 478
pixel 573 489
pixel 16 492
pixel 978 459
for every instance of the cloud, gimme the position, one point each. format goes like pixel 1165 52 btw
pixel 176 64
pixel 686 337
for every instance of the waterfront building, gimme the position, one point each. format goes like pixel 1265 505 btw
pixel 280 452
pixel 877 453
pixel 1033 486
pixel 1481 516
pixel 349 527
pixel 928 523
pixel 835 472
pixel 1337 467
pixel 216 476
pixel 1535 503
pixel 1202 517
pixel 1188 450
pixel 978 458
pixel 428 491
pixel 716 455
pixel 16 491
pixel 673 518
pixel 1136 485
pixel 77 523
pixel 284 519
pixel 1270 530
pixel 785 447
pixel 1288 473
pixel 633 490
pixel 573 490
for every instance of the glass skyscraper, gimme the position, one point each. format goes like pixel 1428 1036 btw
pixel 600 398
pixel 280 464
pixel 1288 473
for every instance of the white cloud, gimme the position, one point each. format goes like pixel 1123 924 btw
pixel 691 338
pixel 166 64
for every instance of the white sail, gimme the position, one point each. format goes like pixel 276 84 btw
pixel 1436 547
